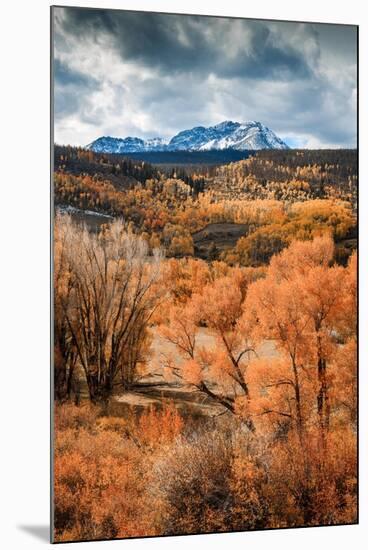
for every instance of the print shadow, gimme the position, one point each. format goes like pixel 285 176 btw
pixel 40 532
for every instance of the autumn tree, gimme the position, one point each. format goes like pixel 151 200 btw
pixel 319 287
pixel 65 353
pixel 113 296
pixel 300 305
pixel 219 371
pixel 345 360
pixel 276 307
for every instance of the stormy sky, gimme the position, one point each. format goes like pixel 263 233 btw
pixel 122 73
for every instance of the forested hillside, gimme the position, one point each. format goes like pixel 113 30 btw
pixel 275 196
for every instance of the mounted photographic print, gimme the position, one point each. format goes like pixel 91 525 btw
pixel 204 187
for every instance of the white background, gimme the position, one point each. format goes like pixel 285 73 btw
pixel 24 271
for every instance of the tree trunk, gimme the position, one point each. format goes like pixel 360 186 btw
pixel 323 406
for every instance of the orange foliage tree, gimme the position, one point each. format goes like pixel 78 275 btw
pixel 219 373
pixel 299 305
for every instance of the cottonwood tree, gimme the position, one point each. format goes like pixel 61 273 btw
pixel 113 296
pixel 277 309
pixel 218 370
pixel 65 354
pixel 344 361
pixel 300 305
pixel 320 288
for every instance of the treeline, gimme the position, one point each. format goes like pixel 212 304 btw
pixel 194 158
pixel 290 175
pixel 344 160
pixel 122 171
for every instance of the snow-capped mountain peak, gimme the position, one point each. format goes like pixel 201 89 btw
pixel 243 136
pixel 108 144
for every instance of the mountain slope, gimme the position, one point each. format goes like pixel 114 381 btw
pixel 107 144
pixel 226 135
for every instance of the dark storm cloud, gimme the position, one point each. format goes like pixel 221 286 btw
pixel 127 73
pixel 72 90
pixel 65 76
pixel 189 43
